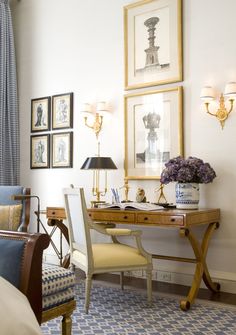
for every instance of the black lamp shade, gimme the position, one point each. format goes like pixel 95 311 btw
pixel 98 163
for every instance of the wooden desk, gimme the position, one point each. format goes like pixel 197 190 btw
pixel 184 220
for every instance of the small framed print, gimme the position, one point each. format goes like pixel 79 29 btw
pixel 40 114
pixel 62 111
pixel 62 150
pixel 153 43
pixel 39 151
pixel 153 131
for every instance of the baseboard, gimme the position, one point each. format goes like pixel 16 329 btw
pixel 226 280
pixel 170 275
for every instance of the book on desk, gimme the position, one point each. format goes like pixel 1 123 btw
pixel 142 206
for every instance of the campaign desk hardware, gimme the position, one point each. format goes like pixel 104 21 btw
pixel 55 217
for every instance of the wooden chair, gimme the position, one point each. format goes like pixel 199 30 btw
pixel 21 264
pixel 95 258
pixel 20 215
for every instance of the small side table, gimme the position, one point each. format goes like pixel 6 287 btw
pixel 55 217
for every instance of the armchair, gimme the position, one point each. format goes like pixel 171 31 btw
pixel 49 289
pixel 95 258
pixel 14 214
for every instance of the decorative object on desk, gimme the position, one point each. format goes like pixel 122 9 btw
pixel 39 151
pixel 40 114
pixel 188 173
pixel 96 125
pixel 153 130
pixel 153 43
pixel 140 195
pixel 62 111
pixel 62 150
pixel 96 164
pixel 161 199
pixel 208 95
pixel 126 188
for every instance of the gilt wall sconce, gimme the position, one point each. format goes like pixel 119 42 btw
pixel 208 95
pixel 96 125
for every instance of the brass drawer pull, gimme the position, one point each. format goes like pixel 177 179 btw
pixel 172 220
pixel 125 217
pixel 53 213
pixel 145 218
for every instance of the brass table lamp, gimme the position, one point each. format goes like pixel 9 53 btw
pixel 96 164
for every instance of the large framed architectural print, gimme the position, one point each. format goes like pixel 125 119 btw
pixel 153 43
pixel 153 131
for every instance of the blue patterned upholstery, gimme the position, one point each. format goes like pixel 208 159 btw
pixel 57 286
pixel 11 260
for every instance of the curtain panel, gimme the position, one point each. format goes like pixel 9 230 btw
pixel 9 115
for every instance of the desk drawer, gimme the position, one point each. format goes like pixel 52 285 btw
pixel 174 220
pixel 113 217
pixel 56 213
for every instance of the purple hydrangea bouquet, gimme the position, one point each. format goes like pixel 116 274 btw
pixel 190 170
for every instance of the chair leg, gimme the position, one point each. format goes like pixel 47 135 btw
pixel 66 324
pixel 149 286
pixel 122 280
pixel 88 284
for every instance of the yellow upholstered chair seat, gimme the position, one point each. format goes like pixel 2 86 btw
pixel 109 255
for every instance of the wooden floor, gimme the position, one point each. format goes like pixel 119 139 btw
pixel 163 287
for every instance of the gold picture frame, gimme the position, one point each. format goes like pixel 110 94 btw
pixel 153 131
pixel 153 43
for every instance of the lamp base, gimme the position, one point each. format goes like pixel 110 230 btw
pixel 96 203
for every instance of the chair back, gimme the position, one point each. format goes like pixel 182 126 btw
pixel 6 193
pixel 78 227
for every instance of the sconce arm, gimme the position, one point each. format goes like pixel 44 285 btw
pixel 86 122
pixel 97 124
pixel 208 110
pixel 231 105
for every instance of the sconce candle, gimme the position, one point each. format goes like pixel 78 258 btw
pixel 208 94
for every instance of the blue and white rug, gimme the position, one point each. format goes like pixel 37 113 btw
pixel 113 311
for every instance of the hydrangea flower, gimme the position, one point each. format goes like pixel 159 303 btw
pixel 190 170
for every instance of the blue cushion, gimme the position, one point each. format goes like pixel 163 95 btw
pixel 11 253
pixel 7 191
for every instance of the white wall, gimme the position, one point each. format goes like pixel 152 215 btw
pixel 77 46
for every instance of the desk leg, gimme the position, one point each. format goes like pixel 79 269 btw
pixel 201 270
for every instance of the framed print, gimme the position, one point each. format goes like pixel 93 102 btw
pixel 62 111
pixel 153 43
pixel 153 131
pixel 39 151
pixel 40 114
pixel 62 150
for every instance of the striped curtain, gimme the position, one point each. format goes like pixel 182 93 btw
pixel 9 116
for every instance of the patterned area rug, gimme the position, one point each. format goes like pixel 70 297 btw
pixel 113 311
